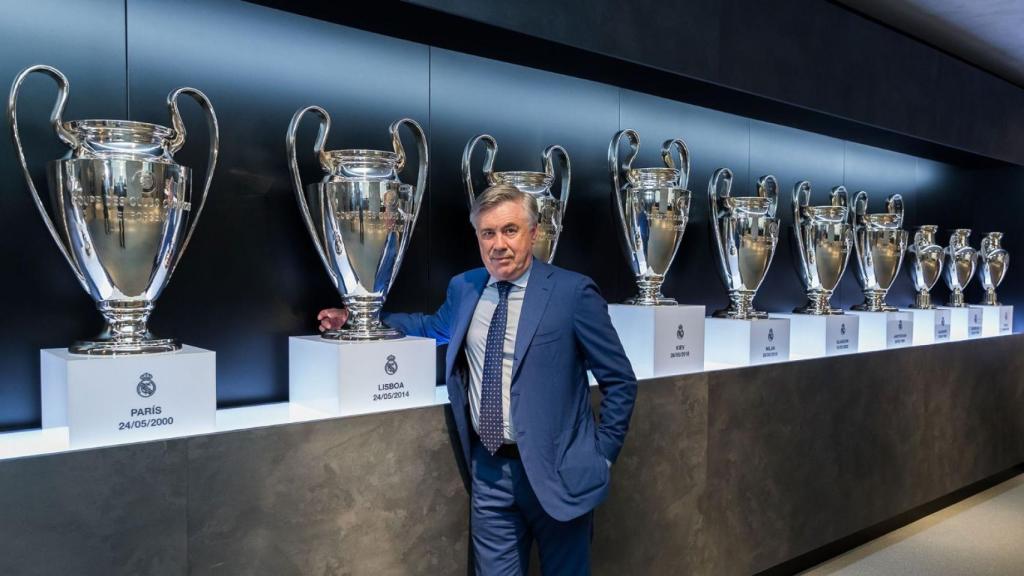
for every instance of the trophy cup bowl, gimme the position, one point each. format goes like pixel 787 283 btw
pixel 745 233
pixel 823 244
pixel 925 265
pixel 879 245
pixel 361 217
pixel 653 207
pixel 536 184
pixel 961 262
pixel 123 209
pixel 994 261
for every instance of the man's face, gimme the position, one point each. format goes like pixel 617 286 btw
pixel 506 240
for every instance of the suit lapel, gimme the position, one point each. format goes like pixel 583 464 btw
pixel 538 292
pixel 474 288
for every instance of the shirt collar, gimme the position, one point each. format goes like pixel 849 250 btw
pixel 520 282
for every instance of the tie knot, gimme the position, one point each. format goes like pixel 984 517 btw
pixel 503 288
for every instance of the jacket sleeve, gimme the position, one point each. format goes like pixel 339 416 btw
pixel 606 359
pixel 436 325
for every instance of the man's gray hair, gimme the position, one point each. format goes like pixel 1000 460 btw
pixel 499 194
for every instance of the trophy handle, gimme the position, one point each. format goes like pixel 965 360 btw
pixel 721 175
pixel 565 170
pixel 684 160
pixel 293 164
pixel 63 134
pixel 894 205
pixel 421 173
pixel 178 140
pixel 801 199
pixel 768 187
pixel 618 189
pixel 491 148
pixel 839 196
pixel 860 207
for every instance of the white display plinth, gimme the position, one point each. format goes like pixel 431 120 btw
pixel 119 399
pixel 996 320
pixel 965 322
pixel 930 326
pixel 812 336
pixel 746 342
pixel 345 378
pixel 661 340
pixel 881 330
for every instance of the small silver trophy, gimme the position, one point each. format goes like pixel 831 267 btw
pixel 360 217
pixel 879 244
pixel 961 262
pixel 745 233
pixel 653 207
pixel 925 265
pixel 536 184
pixel 824 240
pixel 995 260
pixel 123 209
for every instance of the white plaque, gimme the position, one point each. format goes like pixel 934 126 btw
pixel 661 340
pixel 746 342
pixel 815 336
pixel 964 322
pixel 119 399
pixel 996 320
pixel 882 330
pixel 345 378
pixel 930 325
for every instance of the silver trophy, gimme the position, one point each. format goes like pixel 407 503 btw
pixel 994 262
pixel 961 262
pixel 122 211
pixel 653 207
pixel 745 233
pixel 925 265
pixel 536 184
pixel 879 242
pixel 823 244
pixel 360 216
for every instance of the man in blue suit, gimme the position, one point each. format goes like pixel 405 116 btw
pixel 521 336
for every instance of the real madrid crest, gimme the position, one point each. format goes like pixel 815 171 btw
pixel 146 386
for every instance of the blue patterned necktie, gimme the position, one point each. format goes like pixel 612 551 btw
pixel 492 426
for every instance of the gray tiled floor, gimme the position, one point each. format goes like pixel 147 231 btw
pixel 983 535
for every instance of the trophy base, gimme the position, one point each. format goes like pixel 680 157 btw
pixel 747 342
pixel 354 335
pixel 732 313
pixel 817 335
pixel 811 309
pixel 996 320
pixel 931 325
pixel 964 321
pixel 870 307
pixel 100 347
pixel 660 340
pixel 643 301
pixel 881 330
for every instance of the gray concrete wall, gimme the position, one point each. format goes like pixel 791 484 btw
pixel 727 472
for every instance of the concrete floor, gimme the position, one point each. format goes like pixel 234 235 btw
pixel 982 535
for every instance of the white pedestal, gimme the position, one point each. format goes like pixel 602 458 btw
pixel 661 340
pixel 746 342
pixel 965 322
pixel 881 330
pixel 119 399
pixel 996 320
pixel 930 326
pixel 816 336
pixel 345 378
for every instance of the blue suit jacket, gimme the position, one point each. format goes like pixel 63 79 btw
pixel 564 329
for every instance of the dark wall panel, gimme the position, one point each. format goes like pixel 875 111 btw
pixel 252 277
pixel 46 307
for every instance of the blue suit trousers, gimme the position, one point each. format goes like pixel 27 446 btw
pixel 507 518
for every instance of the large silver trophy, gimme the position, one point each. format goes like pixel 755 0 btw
pixel 925 265
pixel 360 216
pixel 745 232
pixel 122 210
pixel 824 240
pixel 994 262
pixel 879 244
pixel 653 208
pixel 961 262
pixel 536 184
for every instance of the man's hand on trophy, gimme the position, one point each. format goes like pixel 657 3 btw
pixel 332 318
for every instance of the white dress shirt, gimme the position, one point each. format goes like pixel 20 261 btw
pixel 476 346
